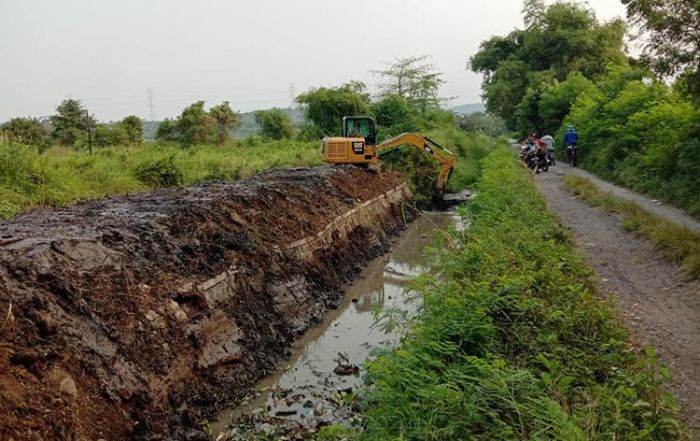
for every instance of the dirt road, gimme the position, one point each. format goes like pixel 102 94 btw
pixel 658 306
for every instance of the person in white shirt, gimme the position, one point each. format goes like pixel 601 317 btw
pixel 549 142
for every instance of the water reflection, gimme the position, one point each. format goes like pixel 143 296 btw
pixel 348 329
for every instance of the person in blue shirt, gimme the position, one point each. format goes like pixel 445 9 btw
pixel 570 140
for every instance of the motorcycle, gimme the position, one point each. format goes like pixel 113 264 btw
pixel 571 154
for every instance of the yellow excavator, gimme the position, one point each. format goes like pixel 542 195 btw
pixel 359 146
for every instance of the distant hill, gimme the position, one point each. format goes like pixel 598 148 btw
pixel 247 127
pixel 466 109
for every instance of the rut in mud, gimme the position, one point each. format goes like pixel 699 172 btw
pixel 138 316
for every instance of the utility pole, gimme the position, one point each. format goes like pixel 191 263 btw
pixel 89 130
pixel 151 113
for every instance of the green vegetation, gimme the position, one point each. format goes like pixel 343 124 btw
pixel 198 126
pixel 558 40
pixel 325 107
pixel 677 243
pixel 674 45
pixel 566 68
pixel 274 124
pixel 486 123
pixel 512 340
pixel 58 176
pixel 638 132
pixel 47 164
pixel 24 130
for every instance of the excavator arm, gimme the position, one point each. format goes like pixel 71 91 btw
pixel 425 144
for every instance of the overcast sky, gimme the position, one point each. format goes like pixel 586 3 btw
pixel 253 53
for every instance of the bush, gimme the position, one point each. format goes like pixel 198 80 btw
pixel 161 173
pixel 641 134
pixel 274 124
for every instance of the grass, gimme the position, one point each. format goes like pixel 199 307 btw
pixel 677 243
pixel 512 341
pixel 59 176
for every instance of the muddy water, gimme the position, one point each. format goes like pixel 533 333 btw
pixel 305 391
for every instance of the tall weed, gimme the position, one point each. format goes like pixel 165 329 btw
pixel 512 341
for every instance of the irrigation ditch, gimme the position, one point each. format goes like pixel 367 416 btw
pixel 142 316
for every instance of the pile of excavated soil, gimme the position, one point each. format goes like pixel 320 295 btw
pixel 139 316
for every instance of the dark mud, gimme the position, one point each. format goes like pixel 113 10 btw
pixel 138 317
pixel 309 390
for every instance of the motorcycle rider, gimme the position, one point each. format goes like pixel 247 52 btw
pixel 570 140
pixel 549 142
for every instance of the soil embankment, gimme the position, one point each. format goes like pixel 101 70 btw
pixel 135 317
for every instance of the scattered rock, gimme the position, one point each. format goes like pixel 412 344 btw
pixel 267 428
pixel 68 387
pixel 318 409
pixel 346 369
pixel 151 315
pixel 180 315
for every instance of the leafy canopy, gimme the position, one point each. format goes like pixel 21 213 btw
pixel 25 130
pixel 673 31
pixel 558 40
pixel 413 79
pixel 326 106
pixel 70 122
pixel 195 125
pixel 274 124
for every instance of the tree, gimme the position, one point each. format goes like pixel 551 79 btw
pixel 168 130
pixel 25 130
pixel 394 115
pixel 487 123
pixel 195 125
pixel 325 107
pixel 673 28
pixel 558 40
pixel 556 101
pixel 274 124
pixel 106 135
pixel 70 122
pixel 226 121
pixel 533 12
pixel 133 127
pixel 412 78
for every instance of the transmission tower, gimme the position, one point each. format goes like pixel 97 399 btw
pixel 292 94
pixel 151 106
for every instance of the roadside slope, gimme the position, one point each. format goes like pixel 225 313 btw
pixel 655 301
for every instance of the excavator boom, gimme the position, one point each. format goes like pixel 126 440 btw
pixel 441 154
pixel 358 146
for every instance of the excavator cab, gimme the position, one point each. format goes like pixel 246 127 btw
pixel 360 127
pixel 356 146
